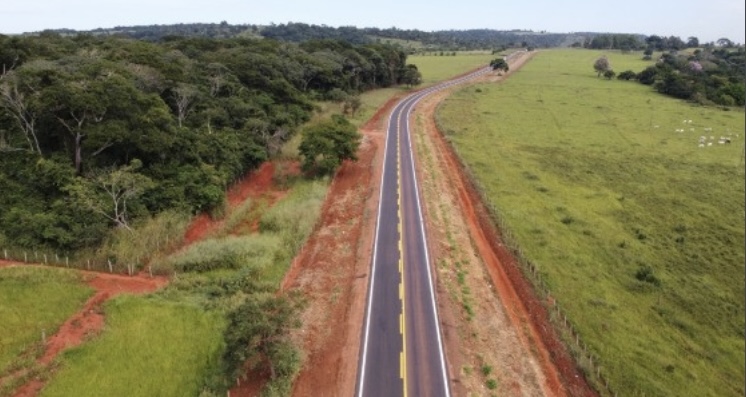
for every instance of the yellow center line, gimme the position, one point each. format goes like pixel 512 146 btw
pixel 402 296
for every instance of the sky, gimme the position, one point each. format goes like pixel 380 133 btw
pixel 707 20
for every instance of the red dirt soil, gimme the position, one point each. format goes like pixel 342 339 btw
pixel 516 294
pixel 89 321
pixel 332 269
pixel 562 376
pixel 256 185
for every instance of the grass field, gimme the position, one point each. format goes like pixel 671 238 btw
pixel 638 231
pixel 32 300
pixel 150 347
pixel 438 68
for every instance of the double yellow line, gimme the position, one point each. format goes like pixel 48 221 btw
pixel 402 317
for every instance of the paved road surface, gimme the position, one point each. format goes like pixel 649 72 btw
pixel 401 348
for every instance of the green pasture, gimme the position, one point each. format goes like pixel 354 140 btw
pixel 636 229
pixel 32 301
pixel 435 68
pixel 407 44
pixel 150 347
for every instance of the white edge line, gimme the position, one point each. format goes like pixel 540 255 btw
pixel 361 382
pixel 416 97
pixel 424 238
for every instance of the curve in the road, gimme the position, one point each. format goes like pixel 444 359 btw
pixel 401 348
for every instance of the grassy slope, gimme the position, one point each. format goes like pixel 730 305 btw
pixel 150 347
pixel 594 182
pixel 438 68
pixel 32 300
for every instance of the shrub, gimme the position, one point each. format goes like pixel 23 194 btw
pixel 227 253
pixel 627 75
pixel 645 274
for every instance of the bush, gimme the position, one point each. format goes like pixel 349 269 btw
pixel 645 274
pixel 627 75
pixel 327 143
pixel 227 253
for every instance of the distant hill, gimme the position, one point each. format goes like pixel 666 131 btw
pixel 471 39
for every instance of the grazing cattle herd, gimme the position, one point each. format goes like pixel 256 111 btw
pixel 708 140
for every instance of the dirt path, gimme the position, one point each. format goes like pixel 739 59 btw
pixel 88 321
pixel 495 330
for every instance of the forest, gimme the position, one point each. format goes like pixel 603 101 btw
pixel 442 40
pixel 709 76
pixel 99 131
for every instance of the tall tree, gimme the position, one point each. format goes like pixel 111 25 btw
pixel 17 103
pixel 326 144
pixel 110 192
pixel 601 65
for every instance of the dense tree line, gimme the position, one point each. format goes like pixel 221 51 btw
pixel 707 76
pixel 443 40
pixel 222 30
pixel 448 40
pixel 97 131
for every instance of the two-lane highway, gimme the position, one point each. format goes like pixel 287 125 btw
pixel 401 349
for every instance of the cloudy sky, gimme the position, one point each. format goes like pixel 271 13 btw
pixel 706 20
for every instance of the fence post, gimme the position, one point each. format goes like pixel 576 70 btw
pixel 25 258
pixel 109 261
pixel 88 264
pixel 6 254
pixel 45 259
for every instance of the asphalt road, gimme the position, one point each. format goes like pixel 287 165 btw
pixel 401 348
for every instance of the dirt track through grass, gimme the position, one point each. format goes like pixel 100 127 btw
pixel 636 229
pixel 32 301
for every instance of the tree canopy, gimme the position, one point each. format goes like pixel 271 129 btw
pixel 602 65
pixel 194 114
pixel 327 143
pixel 709 76
pixel 499 64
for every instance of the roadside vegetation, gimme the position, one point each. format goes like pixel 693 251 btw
pixel 223 291
pixel 635 227
pixel 100 133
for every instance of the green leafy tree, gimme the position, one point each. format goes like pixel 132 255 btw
pixel 601 65
pixel 111 192
pixel 411 76
pixel 627 75
pixel 351 105
pixel 258 335
pixel 609 74
pixel 499 64
pixel 327 143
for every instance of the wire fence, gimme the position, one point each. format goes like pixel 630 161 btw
pixel 51 258
pixel 142 255
pixel 586 359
